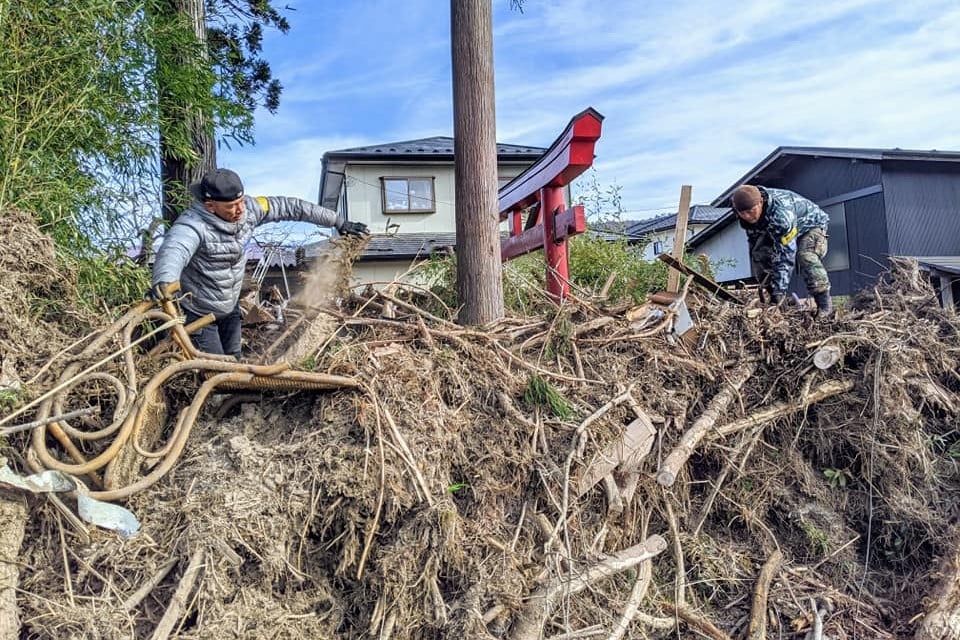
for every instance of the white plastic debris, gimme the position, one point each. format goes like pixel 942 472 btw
pixel 102 514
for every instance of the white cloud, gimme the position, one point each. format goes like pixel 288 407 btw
pixel 693 92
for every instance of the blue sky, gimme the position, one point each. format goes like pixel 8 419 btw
pixel 693 92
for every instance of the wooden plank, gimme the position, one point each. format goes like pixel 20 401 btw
pixel 623 454
pixel 567 223
pixel 680 236
pixel 700 279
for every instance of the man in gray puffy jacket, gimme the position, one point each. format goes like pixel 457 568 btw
pixel 205 250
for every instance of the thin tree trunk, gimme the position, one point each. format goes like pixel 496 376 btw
pixel 177 171
pixel 479 286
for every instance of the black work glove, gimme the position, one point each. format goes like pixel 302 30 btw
pixel 350 228
pixel 158 292
pixel 776 297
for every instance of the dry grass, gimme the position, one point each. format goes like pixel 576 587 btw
pixel 433 503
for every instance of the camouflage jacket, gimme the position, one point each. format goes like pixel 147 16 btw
pixel 786 216
pixel 208 254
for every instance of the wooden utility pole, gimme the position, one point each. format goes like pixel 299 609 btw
pixel 479 269
pixel 680 236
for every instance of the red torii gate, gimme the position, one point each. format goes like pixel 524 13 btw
pixel 551 223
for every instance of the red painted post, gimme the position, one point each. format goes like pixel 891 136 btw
pixel 542 183
pixel 558 274
pixel 516 222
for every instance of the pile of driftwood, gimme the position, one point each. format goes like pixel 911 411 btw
pixel 582 474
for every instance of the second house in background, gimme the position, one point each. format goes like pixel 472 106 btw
pixel 404 192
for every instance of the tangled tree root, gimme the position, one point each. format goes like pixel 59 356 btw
pixel 455 495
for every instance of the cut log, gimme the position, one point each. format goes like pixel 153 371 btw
pixel 13 519
pixel 667 474
pixel 827 356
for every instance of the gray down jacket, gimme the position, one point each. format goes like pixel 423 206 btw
pixel 207 254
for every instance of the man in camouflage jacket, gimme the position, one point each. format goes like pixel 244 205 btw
pixel 784 229
pixel 205 249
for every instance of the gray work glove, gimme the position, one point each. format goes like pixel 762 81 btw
pixel 356 229
pixel 158 292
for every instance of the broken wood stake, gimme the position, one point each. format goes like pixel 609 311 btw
pixel 178 602
pixel 13 520
pixel 680 236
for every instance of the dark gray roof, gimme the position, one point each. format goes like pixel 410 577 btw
pixel 400 246
pixel 838 152
pixel 699 214
pixel 609 231
pixel 946 264
pixel 783 155
pixel 426 147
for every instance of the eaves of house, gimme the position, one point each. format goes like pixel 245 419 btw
pixel 435 150
pixel 405 246
pixel 944 264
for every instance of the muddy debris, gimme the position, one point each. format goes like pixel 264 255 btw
pixel 508 481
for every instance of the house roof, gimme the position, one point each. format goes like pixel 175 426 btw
pixel 434 149
pixel 699 214
pixel 400 246
pixel 426 147
pixel 946 264
pixel 782 156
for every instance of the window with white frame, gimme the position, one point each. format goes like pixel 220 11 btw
pixel 657 247
pixel 408 195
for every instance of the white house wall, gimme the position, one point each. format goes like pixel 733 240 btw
pixel 729 247
pixel 666 238
pixel 365 199
pixel 381 273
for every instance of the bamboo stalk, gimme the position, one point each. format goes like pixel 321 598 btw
pixel 824 391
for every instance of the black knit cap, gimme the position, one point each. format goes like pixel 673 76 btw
pixel 220 185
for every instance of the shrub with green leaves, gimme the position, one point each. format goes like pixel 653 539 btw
pixel 593 260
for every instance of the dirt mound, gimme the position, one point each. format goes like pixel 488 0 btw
pixel 39 314
pixel 509 482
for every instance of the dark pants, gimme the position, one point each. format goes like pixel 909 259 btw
pixel 222 336
pixel 811 248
